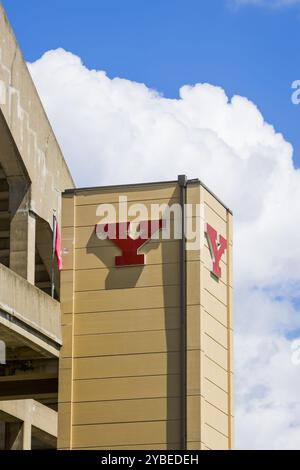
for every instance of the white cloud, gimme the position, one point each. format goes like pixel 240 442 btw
pixel 266 3
pixel 118 131
pixel 267 401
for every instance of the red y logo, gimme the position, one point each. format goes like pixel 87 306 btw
pixel 118 233
pixel 217 248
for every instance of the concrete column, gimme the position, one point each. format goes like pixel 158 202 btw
pixel 27 431
pixel 13 436
pixel 22 230
pixel 18 436
pixel 24 419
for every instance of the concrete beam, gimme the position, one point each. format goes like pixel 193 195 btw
pixel 25 418
pixel 14 388
pixel 29 312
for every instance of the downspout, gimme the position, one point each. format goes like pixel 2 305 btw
pixel 182 182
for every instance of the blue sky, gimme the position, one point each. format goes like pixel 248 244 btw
pixel 251 50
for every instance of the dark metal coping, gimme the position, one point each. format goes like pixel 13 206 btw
pixel 136 185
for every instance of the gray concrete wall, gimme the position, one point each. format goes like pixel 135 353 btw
pixel 27 306
pixel 28 145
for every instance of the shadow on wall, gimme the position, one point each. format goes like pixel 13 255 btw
pixel 170 261
pixel 125 277
pixel 118 277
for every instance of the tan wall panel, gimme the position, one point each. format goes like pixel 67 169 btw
pixel 198 194
pixel 67 306
pixel 154 446
pixel 67 292
pixel 66 350
pixel 212 202
pixel 126 321
pixel 103 255
pixel 214 440
pixel 215 221
pixel 214 307
pixel 195 446
pixel 193 327
pixel 126 411
pixel 215 373
pixel 215 396
pixel 125 388
pixel 150 297
pixel 97 257
pixel 67 319
pixel 67 241
pixel 215 351
pixel 126 434
pixel 65 384
pixel 66 297
pixel 86 237
pixel 87 215
pixel 64 425
pixel 192 255
pixel 65 363
pixel 215 287
pixel 116 278
pixel 193 372
pixel 215 329
pixel 193 194
pixel 68 211
pixel 216 418
pixel 126 343
pixel 194 418
pixel 67 251
pixel 127 366
pixel 193 283
pixel 141 193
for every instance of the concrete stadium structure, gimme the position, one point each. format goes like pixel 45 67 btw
pixel 33 174
pixel 134 356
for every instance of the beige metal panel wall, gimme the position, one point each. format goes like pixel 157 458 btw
pixel 66 366
pixel 120 366
pixel 209 400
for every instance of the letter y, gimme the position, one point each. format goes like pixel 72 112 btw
pixel 217 248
